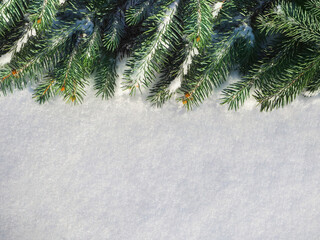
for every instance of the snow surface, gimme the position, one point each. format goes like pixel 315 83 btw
pixel 121 169
pixel 216 8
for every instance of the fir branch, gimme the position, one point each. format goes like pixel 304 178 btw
pixel 151 53
pixel 11 13
pixel 69 76
pixel 105 77
pixel 43 13
pixel 236 94
pixel 91 52
pixel 289 83
pixel 72 74
pixel 198 22
pixel 138 12
pixel 211 69
pixel 272 63
pixel 11 37
pixel 171 75
pixel 36 57
pixel 292 21
pixel 46 89
pixel 115 31
pixel 313 85
pixel 313 6
pixel 193 44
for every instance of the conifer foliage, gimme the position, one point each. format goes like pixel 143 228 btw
pixel 182 49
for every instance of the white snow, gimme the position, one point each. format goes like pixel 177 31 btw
pixel 216 8
pixel 25 38
pixel 245 31
pixel 194 51
pixel 279 9
pixel 120 169
pixel 6 58
pixel 311 94
pixel 176 83
pixel 3 12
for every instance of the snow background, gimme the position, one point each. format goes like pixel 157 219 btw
pixel 121 169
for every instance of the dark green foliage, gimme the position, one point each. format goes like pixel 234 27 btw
pixel 286 65
pixel 115 31
pixel 105 78
pixel 42 13
pixel 153 46
pixel 12 37
pixel 11 12
pixel 175 48
pixel 138 12
pixel 198 22
pixel 160 92
pixel 314 7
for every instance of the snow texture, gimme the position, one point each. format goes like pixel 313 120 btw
pixel 245 31
pixel 6 58
pixel 120 169
pixel 25 38
pixel 216 8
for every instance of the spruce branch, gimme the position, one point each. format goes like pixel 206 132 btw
pixel 9 42
pixel 273 62
pixel 69 76
pixel 289 83
pixel 150 54
pixel 115 31
pixel 140 11
pixel 46 89
pixel 192 44
pixel 11 12
pixel 43 13
pixel 92 49
pixel 172 74
pixel 292 21
pixel 236 94
pixel 198 22
pixel 36 57
pixel 313 6
pixel 105 77
pixel 212 68
pixel 313 85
